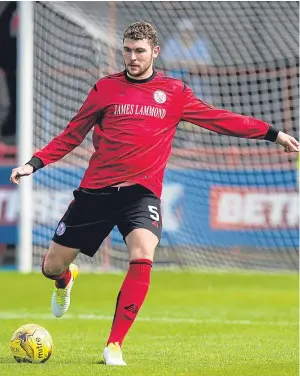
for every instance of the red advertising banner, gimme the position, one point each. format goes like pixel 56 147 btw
pixel 250 208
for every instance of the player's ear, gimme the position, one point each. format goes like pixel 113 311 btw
pixel 156 50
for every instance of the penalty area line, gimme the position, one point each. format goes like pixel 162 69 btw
pixel 163 320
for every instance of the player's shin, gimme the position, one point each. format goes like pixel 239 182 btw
pixel 130 299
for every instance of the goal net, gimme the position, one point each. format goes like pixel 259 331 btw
pixel 227 202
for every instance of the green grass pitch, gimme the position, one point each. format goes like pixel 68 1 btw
pixel 225 324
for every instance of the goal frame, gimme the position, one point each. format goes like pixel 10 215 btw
pixel 25 131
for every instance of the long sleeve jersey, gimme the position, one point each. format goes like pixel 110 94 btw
pixel 134 122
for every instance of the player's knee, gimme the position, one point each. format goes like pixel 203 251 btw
pixel 52 265
pixel 141 244
pixel 141 252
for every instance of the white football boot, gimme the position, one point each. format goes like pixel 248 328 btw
pixel 61 298
pixel 112 355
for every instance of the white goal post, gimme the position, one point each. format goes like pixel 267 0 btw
pixel 25 130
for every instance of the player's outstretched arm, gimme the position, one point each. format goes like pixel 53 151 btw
pixel 231 124
pixel 289 143
pixel 18 172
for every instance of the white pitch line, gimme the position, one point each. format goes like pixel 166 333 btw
pixel 170 320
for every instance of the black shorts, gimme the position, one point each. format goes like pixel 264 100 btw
pixel 94 212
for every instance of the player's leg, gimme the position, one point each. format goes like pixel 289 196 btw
pixel 57 260
pixel 57 265
pixel 141 244
pixel 82 229
pixel 141 228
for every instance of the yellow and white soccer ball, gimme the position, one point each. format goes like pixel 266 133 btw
pixel 31 343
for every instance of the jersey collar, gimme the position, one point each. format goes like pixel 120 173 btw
pixel 139 81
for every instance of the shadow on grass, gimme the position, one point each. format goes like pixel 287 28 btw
pixel 100 362
pixel 6 360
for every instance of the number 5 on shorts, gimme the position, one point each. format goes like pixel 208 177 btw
pixel 154 211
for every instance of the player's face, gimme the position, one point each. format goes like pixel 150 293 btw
pixel 138 57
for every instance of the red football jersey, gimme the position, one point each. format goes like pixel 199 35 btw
pixel 134 124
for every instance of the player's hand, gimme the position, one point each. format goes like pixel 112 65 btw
pixel 18 172
pixel 289 143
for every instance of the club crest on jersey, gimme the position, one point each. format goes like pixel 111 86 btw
pixel 159 96
pixel 61 228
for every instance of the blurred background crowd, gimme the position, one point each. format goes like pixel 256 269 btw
pixel 8 57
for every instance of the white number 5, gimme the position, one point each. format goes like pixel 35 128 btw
pixel 153 210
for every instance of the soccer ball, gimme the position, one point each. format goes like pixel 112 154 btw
pixel 31 343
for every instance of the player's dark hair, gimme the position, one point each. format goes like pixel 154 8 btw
pixel 141 30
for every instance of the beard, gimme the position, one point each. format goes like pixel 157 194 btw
pixel 139 71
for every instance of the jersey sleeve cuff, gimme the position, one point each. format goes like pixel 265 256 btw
pixel 271 135
pixel 36 163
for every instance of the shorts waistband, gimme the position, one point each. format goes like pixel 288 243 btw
pixel 110 189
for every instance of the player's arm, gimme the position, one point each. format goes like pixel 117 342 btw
pixel 65 142
pixel 228 123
